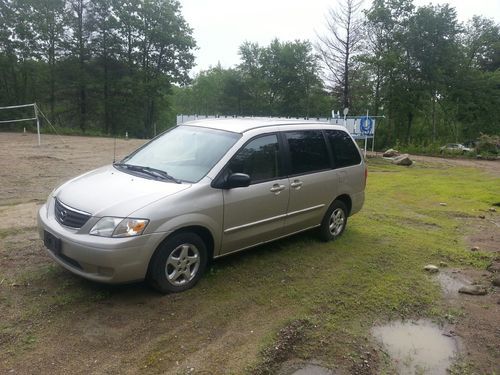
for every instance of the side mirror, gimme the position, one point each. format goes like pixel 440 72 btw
pixel 237 180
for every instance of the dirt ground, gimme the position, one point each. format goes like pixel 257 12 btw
pixel 118 335
pixel 121 334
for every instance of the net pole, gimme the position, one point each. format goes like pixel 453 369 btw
pixel 373 139
pixel 366 135
pixel 37 124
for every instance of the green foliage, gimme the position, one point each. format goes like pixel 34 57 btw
pixel 488 145
pixel 281 79
pixel 112 66
pixel 435 79
pixel 100 66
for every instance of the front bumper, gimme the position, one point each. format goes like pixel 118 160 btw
pixel 108 260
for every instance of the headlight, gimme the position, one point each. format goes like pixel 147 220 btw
pixel 119 227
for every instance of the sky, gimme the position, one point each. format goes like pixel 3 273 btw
pixel 221 26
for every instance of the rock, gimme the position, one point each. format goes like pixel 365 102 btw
pixel 482 217
pixel 474 248
pixel 402 160
pixel 492 209
pixel 431 268
pixel 496 281
pixel 390 153
pixel 475 290
pixel 443 264
pixel 443 204
pixel 494 267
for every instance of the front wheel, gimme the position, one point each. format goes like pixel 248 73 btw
pixel 178 263
pixel 334 221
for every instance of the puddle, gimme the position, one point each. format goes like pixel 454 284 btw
pixel 311 369
pixel 450 285
pixel 417 347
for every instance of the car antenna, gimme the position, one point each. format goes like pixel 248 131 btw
pixel 114 150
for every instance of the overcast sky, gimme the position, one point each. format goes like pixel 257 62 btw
pixel 220 26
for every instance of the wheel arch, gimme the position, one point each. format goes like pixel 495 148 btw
pixel 199 230
pixel 346 199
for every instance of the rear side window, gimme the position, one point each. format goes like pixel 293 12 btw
pixel 259 159
pixel 345 152
pixel 308 152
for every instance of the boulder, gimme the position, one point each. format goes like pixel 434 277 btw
pixel 390 153
pixel 431 268
pixel 475 290
pixel 402 160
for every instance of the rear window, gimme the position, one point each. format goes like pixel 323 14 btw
pixel 345 152
pixel 308 152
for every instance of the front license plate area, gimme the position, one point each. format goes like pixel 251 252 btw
pixel 51 242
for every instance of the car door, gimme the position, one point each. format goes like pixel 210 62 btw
pixel 256 213
pixel 313 184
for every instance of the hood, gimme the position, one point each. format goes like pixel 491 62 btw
pixel 109 192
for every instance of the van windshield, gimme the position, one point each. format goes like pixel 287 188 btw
pixel 186 153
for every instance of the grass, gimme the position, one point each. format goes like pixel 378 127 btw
pixel 374 272
pixel 309 299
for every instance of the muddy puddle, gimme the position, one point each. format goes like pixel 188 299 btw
pixel 417 347
pixel 449 284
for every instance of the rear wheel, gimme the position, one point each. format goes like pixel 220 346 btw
pixel 334 221
pixel 178 263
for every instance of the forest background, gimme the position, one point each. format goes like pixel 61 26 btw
pixel 106 67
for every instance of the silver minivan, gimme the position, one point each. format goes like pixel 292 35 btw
pixel 200 191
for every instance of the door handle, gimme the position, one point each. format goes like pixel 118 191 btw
pixel 276 189
pixel 297 184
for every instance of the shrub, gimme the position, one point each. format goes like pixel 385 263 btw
pixel 488 144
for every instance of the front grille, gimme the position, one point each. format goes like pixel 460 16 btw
pixel 70 217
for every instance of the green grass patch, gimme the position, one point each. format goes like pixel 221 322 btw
pixel 375 271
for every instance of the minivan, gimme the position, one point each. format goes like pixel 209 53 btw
pixel 199 191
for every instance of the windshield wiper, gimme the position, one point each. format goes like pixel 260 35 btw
pixel 153 172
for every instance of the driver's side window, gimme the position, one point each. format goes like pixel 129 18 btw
pixel 260 159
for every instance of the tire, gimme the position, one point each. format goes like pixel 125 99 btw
pixel 178 263
pixel 334 221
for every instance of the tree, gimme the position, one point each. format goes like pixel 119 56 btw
pixel 279 79
pixel 48 19
pixel 252 73
pixel 434 54
pixel 78 37
pixel 341 44
pixel 165 45
pixel 482 43
pixel 106 47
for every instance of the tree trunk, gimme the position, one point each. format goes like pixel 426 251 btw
pixel 106 96
pixel 433 116
pixel 408 127
pixel 52 98
pixel 81 59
